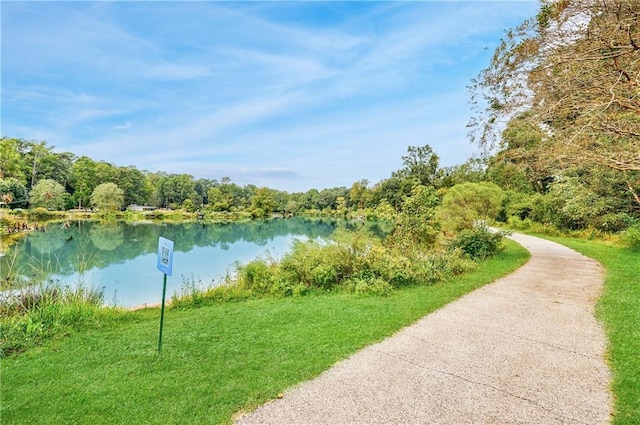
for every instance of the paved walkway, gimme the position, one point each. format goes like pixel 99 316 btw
pixel 523 350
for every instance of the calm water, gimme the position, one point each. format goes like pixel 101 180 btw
pixel 121 257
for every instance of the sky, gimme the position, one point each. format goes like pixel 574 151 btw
pixel 287 95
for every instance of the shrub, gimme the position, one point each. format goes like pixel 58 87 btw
pixel 255 275
pixel 372 286
pixel 478 243
pixel 41 214
pixel 613 222
pixel 631 237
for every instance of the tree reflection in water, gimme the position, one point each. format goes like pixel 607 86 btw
pixel 121 256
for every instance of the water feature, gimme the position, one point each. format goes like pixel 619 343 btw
pixel 120 258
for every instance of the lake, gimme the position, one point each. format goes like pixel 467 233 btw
pixel 121 258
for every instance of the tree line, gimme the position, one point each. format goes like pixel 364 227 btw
pixel 559 109
pixel 557 112
pixel 33 175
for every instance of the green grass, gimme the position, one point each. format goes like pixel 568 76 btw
pixel 619 310
pixel 216 360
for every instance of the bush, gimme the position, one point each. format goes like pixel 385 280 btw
pixel 41 214
pixel 373 286
pixel 631 237
pixel 478 243
pixel 256 275
pixel 613 222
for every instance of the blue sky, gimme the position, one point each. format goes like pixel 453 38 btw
pixel 288 95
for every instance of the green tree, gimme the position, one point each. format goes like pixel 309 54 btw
pixel 202 186
pixel 416 225
pixel 107 197
pixel 395 190
pixel 105 172
pixel 174 189
pixel 13 193
pixel 37 151
pixel 56 166
pixel 263 202
pixel 466 203
pixel 48 194
pixel 472 171
pixel 12 155
pixel 574 69
pixel 83 180
pixel 359 195
pixel 217 200
pixel 134 184
pixel 420 164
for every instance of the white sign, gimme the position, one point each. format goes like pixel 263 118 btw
pixel 165 256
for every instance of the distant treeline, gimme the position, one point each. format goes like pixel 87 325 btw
pixel 576 196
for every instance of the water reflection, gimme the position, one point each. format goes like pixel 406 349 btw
pixel 107 237
pixel 121 257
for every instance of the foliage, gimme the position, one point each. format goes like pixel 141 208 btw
pixel 254 349
pixel 478 243
pixel 13 193
pixel 352 261
pixel 33 315
pixel 48 194
pixel 631 237
pixel 472 171
pixel 466 203
pixel 569 75
pixel 43 214
pixel 83 181
pixel 519 205
pixel 421 164
pixel 107 197
pixel 12 164
pixel 580 199
pixel 416 224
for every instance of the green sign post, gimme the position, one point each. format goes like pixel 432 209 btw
pixel 165 265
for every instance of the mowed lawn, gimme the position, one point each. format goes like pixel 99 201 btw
pixel 216 361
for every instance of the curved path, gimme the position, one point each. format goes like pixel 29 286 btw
pixel 525 349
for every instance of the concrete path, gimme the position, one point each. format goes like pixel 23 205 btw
pixel 525 349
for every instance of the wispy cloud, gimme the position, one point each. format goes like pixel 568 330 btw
pixel 288 95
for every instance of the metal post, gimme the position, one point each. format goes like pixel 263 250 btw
pixel 164 291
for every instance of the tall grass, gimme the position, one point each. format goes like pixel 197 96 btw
pixel 31 315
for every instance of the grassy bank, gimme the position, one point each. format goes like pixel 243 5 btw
pixel 216 360
pixel 619 311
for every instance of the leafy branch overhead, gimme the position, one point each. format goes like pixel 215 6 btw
pixel 571 73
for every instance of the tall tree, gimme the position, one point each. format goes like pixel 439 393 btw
pixel 83 180
pixel 263 202
pixel 48 194
pixel 12 163
pixel 421 164
pixel 56 166
pixel 575 69
pixel 107 197
pixel 359 195
pixel 37 151
pixel 13 193
pixel 134 185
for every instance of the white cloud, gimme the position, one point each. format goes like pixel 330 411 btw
pixel 289 95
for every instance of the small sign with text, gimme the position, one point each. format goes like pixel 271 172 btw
pixel 165 256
